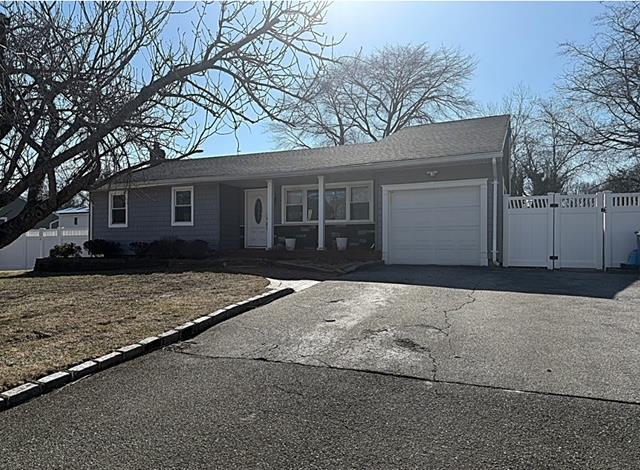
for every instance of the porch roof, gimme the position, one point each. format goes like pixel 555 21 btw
pixel 475 136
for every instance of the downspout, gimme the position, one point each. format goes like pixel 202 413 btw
pixel 494 219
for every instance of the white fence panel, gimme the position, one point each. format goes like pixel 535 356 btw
pixel 14 256
pixel 622 220
pixel 578 231
pixel 22 253
pixel 528 232
pixel 571 231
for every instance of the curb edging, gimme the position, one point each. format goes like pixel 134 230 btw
pixel 32 389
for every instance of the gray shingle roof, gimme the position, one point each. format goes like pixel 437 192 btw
pixel 453 138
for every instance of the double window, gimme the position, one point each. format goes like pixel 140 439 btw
pixel 118 209
pixel 182 205
pixel 343 202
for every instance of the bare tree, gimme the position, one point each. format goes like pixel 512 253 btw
pixel 366 98
pixel 521 105
pixel 320 116
pixel 603 84
pixel 87 88
pixel 623 180
pixel 553 159
pixel 545 156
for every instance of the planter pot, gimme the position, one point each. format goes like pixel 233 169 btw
pixel 341 243
pixel 290 244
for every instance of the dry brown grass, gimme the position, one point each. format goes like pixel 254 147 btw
pixel 48 323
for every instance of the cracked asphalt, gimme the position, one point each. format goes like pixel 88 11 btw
pixel 570 333
pixel 388 368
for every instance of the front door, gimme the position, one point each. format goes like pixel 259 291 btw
pixel 255 203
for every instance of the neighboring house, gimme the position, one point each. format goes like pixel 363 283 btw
pixel 14 208
pixel 71 218
pixel 429 194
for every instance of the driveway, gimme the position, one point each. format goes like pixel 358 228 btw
pixel 569 333
pixel 289 385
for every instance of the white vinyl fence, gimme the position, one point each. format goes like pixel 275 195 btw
pixel 22 253
pixel 593 231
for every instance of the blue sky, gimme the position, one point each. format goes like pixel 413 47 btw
pixel 512 42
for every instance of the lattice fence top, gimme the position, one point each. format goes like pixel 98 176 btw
pixel 624 200
pixel 528 202
pixel 578 201
pixel 56 232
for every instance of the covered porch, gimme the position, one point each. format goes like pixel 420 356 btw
pixel 262 214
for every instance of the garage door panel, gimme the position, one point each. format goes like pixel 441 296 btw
pixel 436 237
pixel 431 218
pixel 435 226
pixel 438 198
pixel 457 257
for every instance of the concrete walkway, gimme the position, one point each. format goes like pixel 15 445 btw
pixel 297 285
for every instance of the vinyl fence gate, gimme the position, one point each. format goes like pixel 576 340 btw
pixel 594 231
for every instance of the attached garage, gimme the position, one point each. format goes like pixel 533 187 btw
pixel 441 223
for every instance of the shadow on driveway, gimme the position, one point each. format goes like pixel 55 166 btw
pixel 531 281
pixel 579 283
pixel 517 280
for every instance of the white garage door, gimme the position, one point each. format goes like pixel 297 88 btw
pixel 439 225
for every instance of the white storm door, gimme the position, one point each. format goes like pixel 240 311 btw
pixel 255 218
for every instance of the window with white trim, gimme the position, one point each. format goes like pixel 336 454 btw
pixel 294 206
pixel 118 209
pixel 360 203
pixel 335 204
pixel 312 204
pixel 343 202
pixel 182 205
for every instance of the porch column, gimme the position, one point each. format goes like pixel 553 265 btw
pixel 320 212
pixel 269 214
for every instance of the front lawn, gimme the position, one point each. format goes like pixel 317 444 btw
pixel 49 323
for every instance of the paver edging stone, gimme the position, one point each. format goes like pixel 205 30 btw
pixel 29 390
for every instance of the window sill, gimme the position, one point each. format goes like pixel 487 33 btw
pixel 182 224
pixel 118 225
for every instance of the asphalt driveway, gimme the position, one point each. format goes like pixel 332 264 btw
pixel 289 385
pixel 570 333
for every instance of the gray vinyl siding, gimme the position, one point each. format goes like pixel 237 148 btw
pixel 231 217
pixel 149 216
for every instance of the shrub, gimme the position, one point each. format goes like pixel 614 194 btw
pixel 106 248
pixel 193 249
pixel 65 250
pixel 140 249
pixel 175 248
pixel 163 249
